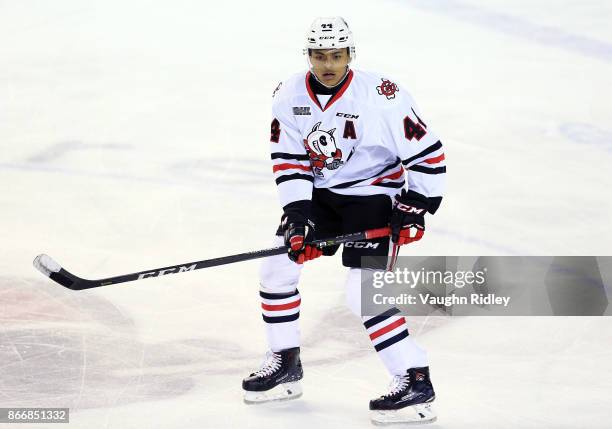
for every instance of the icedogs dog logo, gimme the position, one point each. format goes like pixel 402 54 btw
pixel 322 150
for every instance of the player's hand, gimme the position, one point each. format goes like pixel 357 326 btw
pixel 298 231
pixel 297 236
pixel 408 218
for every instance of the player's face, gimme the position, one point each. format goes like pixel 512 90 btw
pixel 329 65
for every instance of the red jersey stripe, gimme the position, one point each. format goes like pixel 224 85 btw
pixel 388 328
pixel 391 176
pixel 281 167
pixel 435 160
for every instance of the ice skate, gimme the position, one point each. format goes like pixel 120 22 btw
pixel 277 379
pixel 408 401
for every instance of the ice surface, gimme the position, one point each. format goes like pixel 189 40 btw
pixel 134 135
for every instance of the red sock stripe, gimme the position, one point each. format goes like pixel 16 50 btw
pixel 279 307
pixel 388 328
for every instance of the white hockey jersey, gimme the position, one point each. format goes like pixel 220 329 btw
pixel 361 141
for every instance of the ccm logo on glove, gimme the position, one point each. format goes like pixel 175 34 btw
pixel 408 218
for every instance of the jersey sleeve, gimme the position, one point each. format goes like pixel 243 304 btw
pixel 419 149
pixel 290 161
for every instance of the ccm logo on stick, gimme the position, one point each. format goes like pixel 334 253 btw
pixel 160 273
pixel 361 245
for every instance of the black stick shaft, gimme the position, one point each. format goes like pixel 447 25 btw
pixel 69 280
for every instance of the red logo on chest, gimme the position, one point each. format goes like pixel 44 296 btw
pixel 387 88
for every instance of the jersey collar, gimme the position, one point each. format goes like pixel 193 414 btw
pixel 335 98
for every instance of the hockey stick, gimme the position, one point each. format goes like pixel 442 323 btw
pixel 46 265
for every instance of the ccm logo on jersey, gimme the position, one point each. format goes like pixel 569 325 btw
pixel 347 115
pixel 160 273
pixel 361 245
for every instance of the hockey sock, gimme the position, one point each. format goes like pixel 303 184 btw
pixel 281 312
pixel 389 335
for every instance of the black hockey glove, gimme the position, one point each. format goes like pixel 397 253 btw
pixel 408 217
pixel 298 231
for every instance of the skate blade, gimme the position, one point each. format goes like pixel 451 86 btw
pixel 415 414
pixel 282 392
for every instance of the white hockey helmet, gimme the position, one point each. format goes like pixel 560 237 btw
pixel 330 33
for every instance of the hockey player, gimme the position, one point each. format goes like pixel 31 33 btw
pixel 350 152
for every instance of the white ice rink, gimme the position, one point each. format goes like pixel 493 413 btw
pixel 133 134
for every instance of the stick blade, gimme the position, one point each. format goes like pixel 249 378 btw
pixel 46 265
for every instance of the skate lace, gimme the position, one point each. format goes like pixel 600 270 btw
pixel 399 383
pixel 269 365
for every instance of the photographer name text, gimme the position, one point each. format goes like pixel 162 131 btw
pixel 446 301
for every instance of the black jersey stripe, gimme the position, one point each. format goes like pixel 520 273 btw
pixel 394 185
pixel 281 319
pixel 428 170
pixel 434 147
pixel 267 295
pixel 390 341
pixel 381 317
pixel 295 176
pixel 380 173
pixel 284 155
